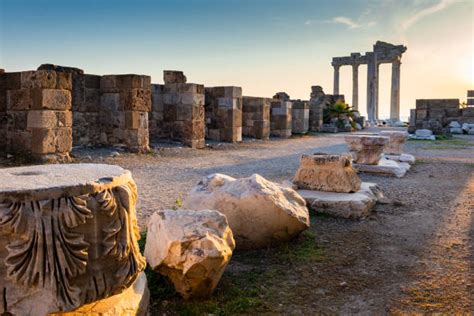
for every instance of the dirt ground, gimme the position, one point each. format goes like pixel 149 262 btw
pixel 413 255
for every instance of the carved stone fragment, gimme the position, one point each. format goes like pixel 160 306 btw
pixel 331 173
pixel 68 236
pixel 366 149
pixel 396 141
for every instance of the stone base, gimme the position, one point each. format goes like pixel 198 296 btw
pixel 133 301
pixel 410 159
pixel 385 167
pixel 347 205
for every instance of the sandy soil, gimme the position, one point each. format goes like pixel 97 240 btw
pixel 413 254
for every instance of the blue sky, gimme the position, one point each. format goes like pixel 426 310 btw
pixel 265 46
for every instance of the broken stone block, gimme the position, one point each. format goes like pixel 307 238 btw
pixel 410 159
pixel 346 205
pixel 396 140
pixel 51 99
pixel 366 149
pixel 68 236
pixel 387 167
pixel 323 172
pixel 259 212
pixel 190 247
pixel 173 76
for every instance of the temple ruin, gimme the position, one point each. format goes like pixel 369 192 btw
pixel 383 53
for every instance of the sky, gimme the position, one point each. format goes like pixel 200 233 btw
pixel 264 46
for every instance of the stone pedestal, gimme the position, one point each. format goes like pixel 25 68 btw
pixel 323 172
pixel 68 236
pixel 256 117
pixel 346 205
pixel 300 117
pixel 386 167
pixel 366 149
pixel 224 114
pixel 396 140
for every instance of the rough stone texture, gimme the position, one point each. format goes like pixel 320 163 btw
pixel 124 105
pixel 192 248
pixel 410 159
pixel 68 236
pixel 256 117
pixel 35 114
pixel 134 301
pixel 386 167
pixel 346 205
pixel 280 118
pixel 259 212
pixel 178 113
pixel 300 117
pixel 317 103
pixel 324 172
pixel 366 149
pixel 173 76
pixel 224 114
pixel 396 140
pixel 437 114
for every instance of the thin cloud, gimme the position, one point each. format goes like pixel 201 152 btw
pixel 441 5
pixel 345 21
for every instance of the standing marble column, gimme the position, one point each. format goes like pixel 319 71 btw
pixel 395 91
pixel 336 79
pixel 355 86
pixel 372 81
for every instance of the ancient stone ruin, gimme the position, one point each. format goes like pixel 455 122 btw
pixel 281 116
pixel 278 213
pixel 437 115
pixel 330 185
pixel 256 117
pixel 382 53
pixel 68 237
pixel 224 114
pixel 35 112
pixel 178 111
pixel 300 117
pixel 317 103
pixel 192 248
pixel 367 154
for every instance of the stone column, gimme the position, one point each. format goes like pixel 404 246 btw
pixel 376 84
pixel 355 86
pixel 336 79
pixel 372 81
pixel 395 91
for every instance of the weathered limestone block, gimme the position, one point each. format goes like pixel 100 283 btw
pixel 259 212
pixel 300 117
pixel 280 119
pixel 172 76
pixel 346 205
pixel 223 107
pixel 192 248
pixel 68 236
pixel 385 167
pixel 323 172
pixel 283 96
pixel 396 140
pixel 366 149
pixel 256 117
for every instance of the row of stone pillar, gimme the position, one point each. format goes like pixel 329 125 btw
pixel 373 88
